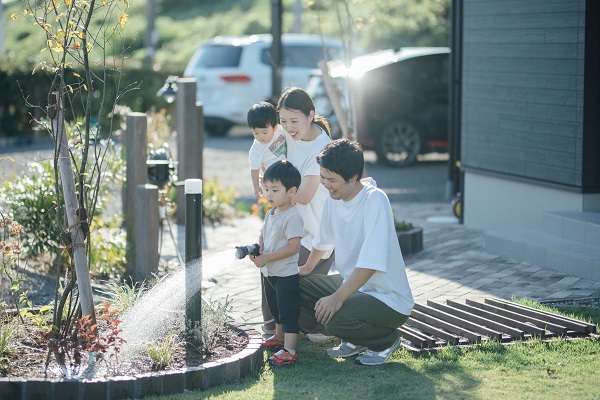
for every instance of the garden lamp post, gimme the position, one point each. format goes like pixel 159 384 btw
pixel 193 251
pixel 169 90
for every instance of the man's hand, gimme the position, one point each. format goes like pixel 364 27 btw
pixel 326 307
pixel 304 270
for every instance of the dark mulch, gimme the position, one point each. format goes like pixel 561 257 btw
pixel 28 357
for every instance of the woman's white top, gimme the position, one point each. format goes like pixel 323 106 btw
pixel 303 155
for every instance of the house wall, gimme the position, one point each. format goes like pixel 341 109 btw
pixel 494 202
pixel 522 110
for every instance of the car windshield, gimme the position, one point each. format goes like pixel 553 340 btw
pixel 218 56
pixel 304 56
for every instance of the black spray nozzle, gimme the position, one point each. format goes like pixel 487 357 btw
pixel 243 251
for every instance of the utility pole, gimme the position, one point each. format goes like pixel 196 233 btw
pixel 150 36
pixel 298 9
pixel 276 48
pixel 1 27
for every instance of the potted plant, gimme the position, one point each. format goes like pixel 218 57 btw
pixel 409 237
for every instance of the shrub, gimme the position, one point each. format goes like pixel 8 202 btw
pixel 261 207
pixel 10 249
pixel 214 318
pixel 217 202
pixel 108 258
pixel 31 198
pixel 403 226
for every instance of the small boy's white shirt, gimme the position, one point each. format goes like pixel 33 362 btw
pixel 262 155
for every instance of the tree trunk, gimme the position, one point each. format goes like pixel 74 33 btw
pixel 71 206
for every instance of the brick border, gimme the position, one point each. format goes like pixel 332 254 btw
pixel 202 377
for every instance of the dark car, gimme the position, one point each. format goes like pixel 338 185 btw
pixel 400 99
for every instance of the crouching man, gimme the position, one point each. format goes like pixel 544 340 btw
pixel 370 297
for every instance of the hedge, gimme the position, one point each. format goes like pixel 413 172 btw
pixel 18 85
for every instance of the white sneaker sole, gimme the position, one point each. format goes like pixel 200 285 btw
pixel 383 355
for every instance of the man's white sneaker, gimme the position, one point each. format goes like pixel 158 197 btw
pixel 371 357
pixel 345 349
pixel 319 337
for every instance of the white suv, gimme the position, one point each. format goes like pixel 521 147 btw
pixel 233 73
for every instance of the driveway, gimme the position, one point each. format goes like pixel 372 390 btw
pixel 227 159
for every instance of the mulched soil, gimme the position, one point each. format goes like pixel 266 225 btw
pixel 28 359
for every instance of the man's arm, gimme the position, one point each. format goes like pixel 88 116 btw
pixel 326 307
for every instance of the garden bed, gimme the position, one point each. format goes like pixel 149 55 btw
pixel 235 355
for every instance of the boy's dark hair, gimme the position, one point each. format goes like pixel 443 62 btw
pixel 261 115
pixel 283 171
pixel 344 157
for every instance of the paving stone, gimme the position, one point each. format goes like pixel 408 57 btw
pixel 453 264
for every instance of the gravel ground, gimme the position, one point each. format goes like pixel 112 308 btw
pixel 589 302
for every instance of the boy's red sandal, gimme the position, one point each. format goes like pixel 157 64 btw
pixel 282 358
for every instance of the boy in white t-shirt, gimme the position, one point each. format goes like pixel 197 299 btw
pixel 370 298
pixel 269 142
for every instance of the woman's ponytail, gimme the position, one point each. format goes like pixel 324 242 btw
pixel 322 122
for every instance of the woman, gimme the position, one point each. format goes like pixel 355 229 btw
pixel 306 134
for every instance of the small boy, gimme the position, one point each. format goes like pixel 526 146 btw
pixel 269 141
pixel 279 243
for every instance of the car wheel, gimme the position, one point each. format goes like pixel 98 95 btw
pixel 398 143
pixel 217 128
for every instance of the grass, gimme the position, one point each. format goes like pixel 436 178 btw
pixel 7 332
pixel 559 369
pixel 121 297
pixel 162 353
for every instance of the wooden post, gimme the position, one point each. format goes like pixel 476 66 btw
pixel 145 231
pixel 333 92
pixel 136 138
pixel 190 138
pixel 276 49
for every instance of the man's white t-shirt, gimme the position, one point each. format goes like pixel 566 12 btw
pixel 303 155
pixel 262 155
pixel 363 233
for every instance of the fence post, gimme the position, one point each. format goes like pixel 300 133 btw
pixel 146 227
pixel 136 139
pixel 190 136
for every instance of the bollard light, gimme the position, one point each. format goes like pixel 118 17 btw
pixel 193 252
pixel 169 89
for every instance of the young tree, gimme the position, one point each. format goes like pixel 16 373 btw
pixel 82 54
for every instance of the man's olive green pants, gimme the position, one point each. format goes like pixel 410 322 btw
pixel 362 320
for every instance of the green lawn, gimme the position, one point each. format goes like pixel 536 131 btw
pixel 558 369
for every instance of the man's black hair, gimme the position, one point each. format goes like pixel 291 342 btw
pixel 284 172
pixel 343 157
pixel 261 115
